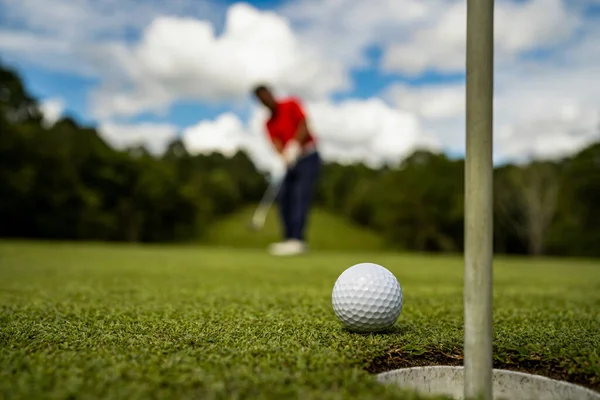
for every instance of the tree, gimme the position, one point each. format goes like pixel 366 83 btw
pixel 65 182
pixel 16 105
pixel 527 198
pixel 577 231
pixel 419 206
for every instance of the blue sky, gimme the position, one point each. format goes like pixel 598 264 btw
pixel 367 82
pixel 139 70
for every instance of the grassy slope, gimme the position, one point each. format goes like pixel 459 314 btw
pixel 129 323
pixel 325 231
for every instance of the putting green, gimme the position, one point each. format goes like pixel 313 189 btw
pixel 134 322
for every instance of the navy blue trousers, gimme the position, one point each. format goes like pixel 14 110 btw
pixel 296 194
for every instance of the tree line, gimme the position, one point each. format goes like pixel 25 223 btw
pixel 540 208
pixel 65 182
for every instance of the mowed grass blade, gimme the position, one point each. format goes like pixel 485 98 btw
pixel 91 321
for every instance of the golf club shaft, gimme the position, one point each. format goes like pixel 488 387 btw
pixel 267 200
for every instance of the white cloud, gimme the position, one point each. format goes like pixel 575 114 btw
pixel 47 52
pixel 226 135
pixel 439 108
pixel 353 131
pixel 430 101
pixel 343 29
pixel 52 110
pixel 421 36
pixel 182 58
pixel 309 47
pixel 98 19
pixel 65 35
pixel 548 111
pixel 366 130
pixel 551 137
pixel 153 136
pixel 541 109
pixel 440 44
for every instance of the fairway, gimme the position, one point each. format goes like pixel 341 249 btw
pixel 327 231
pixel 85 321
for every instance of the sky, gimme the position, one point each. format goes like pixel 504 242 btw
pixel 378 78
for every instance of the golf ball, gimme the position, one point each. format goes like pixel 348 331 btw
pixel 367 298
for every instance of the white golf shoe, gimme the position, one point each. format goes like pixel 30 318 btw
pixel 287 248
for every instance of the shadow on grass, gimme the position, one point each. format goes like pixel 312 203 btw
pixel 560 369
pixel 395 330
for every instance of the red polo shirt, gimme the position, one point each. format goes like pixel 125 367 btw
pixel 284 122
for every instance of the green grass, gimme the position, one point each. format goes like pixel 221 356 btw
pixel 114 321
pixel 326 231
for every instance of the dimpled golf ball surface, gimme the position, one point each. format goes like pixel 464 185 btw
pixel 367 298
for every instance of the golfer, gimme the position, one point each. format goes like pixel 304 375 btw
pixel 291 137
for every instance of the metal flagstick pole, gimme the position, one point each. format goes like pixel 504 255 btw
pixel 479 201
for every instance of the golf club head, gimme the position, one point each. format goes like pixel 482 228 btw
pixel 257 223
pixel 253 227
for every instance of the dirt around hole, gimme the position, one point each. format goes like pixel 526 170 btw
pixel 559 369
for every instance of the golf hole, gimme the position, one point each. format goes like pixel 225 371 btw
pixel 507 385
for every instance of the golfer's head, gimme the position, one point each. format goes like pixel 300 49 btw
pixel 265 96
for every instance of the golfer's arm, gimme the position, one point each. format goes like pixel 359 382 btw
pixel 302 131
pixel 278 146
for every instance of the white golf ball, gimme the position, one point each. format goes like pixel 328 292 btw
pixel 367 298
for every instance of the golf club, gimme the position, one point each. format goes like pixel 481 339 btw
pixel 261 212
